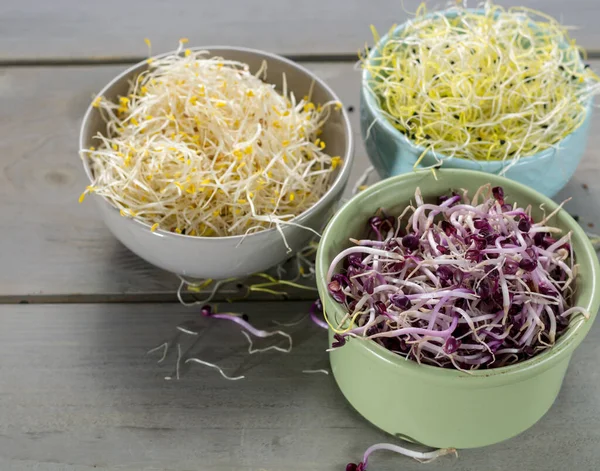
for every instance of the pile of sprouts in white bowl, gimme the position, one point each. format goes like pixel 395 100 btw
pixel 203 147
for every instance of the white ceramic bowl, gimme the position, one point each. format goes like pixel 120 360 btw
pixel 223 257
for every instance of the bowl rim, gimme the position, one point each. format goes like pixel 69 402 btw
pixel 562 349
pixel 340 179
pixel 484 165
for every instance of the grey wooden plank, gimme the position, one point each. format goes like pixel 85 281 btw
pixel 71 28
pixel 78 392
pixel 60 248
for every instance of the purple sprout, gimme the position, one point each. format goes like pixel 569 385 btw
pixel 380 308
pixel 459 280
pixel 410 241
pixel 336 291
pixel 445 273
pixel 498 193
pixel 369 284
pixel 206 310
pixel 315 309
pixel 400 301
pixel 242 321
pixel 451 345
pixel 524 224
pixel 339 341
pixel 443 250
pixel 448 228
pixel 527 264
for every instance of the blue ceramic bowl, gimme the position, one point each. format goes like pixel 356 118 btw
pixel 392 153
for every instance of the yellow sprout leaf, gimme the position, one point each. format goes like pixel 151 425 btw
pixel 335 161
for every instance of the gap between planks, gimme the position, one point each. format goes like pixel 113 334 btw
pixel 163 297
pixel 116 60
pixel 124 60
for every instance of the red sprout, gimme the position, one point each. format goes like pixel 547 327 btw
pixel 400 301
pixel 524 224
pixel 528 264
pixel 443 250
pixel 451 345
pixel 206 310
pixel 498 193
pixel 448 228
pixel 355 260
pixel 380 308
pixel 410 241
pixel 335 290
pixel 473 255
pixel 339 341
pixel 481 224
pixel 445 273
pixel 369 284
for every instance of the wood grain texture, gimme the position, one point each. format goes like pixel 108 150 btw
pixel 55 249
pixel 78 392
pixel 112 28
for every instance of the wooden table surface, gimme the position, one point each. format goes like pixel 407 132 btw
pixel 78 311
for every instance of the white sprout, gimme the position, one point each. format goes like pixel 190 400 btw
pixel 212 365
pixel 201 146
pixel 322 371
pixel 252 350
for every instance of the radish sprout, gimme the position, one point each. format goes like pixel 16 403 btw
pixel 461 283
pixel 423 457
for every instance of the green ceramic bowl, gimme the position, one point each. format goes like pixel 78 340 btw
pixel 443 407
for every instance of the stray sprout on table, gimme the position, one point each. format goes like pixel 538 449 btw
pixel 200 146
pixel 423 457
pixel 242 321
pixel 321 371
pixel 316 310
pixel 192 328
pixel 463 282
pixel 290 275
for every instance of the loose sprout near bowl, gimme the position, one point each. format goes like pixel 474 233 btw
pixel 465 283
pixel 490 84
pixel 203 147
